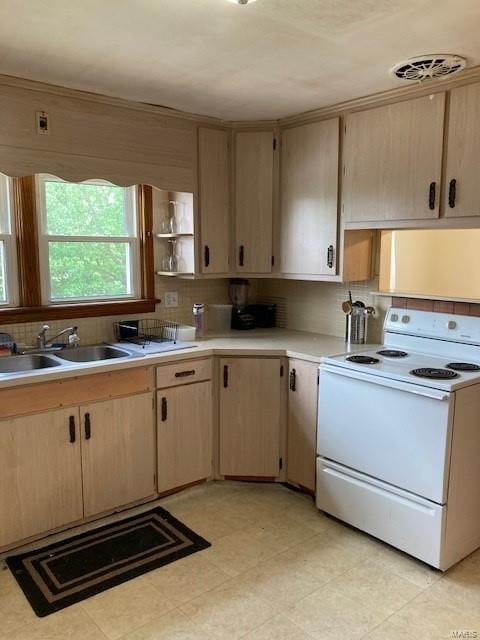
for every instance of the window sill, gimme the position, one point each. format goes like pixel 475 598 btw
pixel 11 315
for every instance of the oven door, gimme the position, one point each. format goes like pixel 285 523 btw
pixel 397 432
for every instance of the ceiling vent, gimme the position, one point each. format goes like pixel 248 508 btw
pixel 422 68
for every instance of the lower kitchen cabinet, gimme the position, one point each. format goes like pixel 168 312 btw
pixel 40 474
pixel 184 435
pixel 302 423
pixel 250 412
pixel 118 452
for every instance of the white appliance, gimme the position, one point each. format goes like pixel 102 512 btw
pixel 398 438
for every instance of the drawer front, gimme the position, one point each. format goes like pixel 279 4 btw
pixel 405 521
pixel 172 375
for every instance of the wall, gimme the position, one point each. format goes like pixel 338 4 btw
pixel 92 136
pixel 94 330
pixel 316 306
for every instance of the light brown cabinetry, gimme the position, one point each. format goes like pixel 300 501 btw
pixel 393 161
pixel 302 423
pixel 309 198
pixel 250 411
pixel 184 435
pixel 214 202
pixel 254 155
pixel 462 195
pixel 118 452
pixel 40 474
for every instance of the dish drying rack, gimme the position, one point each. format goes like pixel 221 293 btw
pixel 143 332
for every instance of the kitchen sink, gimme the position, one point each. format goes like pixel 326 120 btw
pixel 14 364
pixel 90 354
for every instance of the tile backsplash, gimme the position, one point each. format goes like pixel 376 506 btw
pixel 94 330
pixel 304 306
pixel 316 306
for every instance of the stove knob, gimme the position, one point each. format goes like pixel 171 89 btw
pixel 405 319
pixel 451 324
pixel 394 317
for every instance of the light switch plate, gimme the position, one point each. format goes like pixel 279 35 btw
pixel 171 299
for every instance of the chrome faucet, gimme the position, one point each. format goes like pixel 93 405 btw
pixel 73 338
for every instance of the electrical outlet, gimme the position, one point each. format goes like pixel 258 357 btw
pixel 171 299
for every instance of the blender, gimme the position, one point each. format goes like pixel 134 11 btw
pixel 238 292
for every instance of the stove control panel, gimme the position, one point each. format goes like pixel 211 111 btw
pixel 430 324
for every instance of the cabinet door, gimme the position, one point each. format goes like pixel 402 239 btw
pixel 309 198
pixel 250 397
pixel 184 435
pixel 213 167
pixel 302 423
pixel 254 201
pixel 40 474
pixel 393 159
pixel 118 452
pixel 462 195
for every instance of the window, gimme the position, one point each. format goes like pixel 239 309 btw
pixel 8 284
pixel 88 240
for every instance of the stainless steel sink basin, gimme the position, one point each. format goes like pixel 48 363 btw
pixel 90 354
pixel 14 364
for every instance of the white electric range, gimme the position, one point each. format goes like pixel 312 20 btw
pixel 398 438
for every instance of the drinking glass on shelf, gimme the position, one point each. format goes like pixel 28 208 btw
pixel 171 262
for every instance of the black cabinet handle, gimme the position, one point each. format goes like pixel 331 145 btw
pixel 71 427
pixel 185 374
pixel 293 380
pixel 431 195
pixel 164 409
pixel 330 256
pixel 206 255
pixel 452 193
pixel 225 376
pixel 88 427
pixel 241 255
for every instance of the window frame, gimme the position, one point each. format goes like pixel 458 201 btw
pixel 29 306
pixel 8 238
pixel 44 239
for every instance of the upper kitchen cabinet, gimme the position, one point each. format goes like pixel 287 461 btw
pixel 393 161
pixel 214 201
pixel 462 195
pixel 309 198
pixel 254 153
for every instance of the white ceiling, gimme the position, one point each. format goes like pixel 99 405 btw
pixel 269 59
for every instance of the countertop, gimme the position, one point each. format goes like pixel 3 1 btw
pixel 257 342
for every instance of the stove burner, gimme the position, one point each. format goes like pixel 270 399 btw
pixel 463 366
pixel 363 359
pixel 392 353
pixel 435 374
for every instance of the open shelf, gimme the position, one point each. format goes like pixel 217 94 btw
pixel 174 235
pixel 173 274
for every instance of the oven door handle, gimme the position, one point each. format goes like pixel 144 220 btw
pixel 386 382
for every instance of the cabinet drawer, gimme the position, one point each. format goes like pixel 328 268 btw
pixel 184 372
pixel 402 519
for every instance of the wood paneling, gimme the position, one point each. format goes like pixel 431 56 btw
pixel 214 199
pixel 250 409
pixel 40 474
pixel 73 391
pixel 302 423
pixel 392 155
pixel 118 457
pixel 357 255
pixel 25 217
pixel 91 139
pixel 309 197
pixel 184 435
pixel 463 153
pixel 254 201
